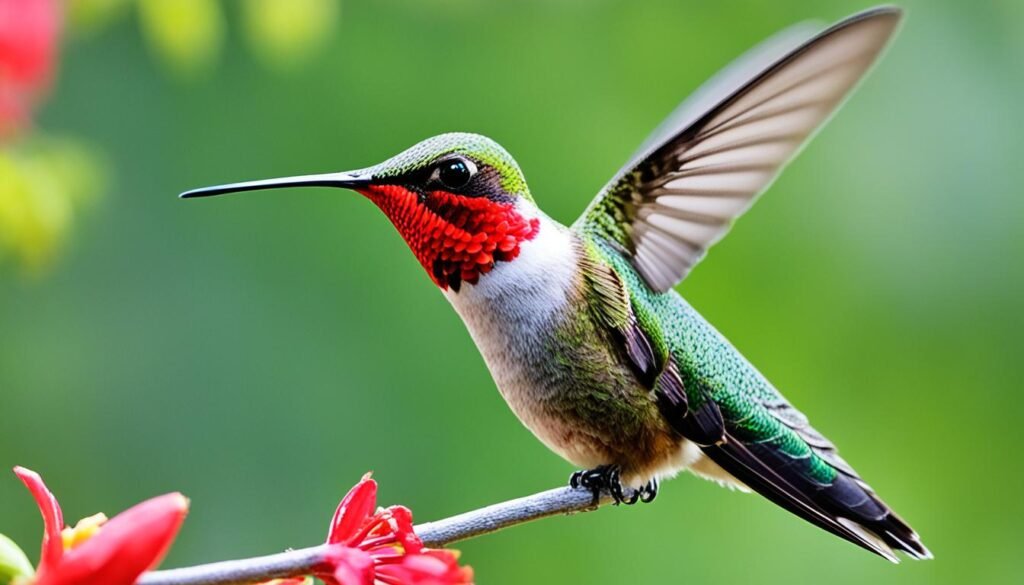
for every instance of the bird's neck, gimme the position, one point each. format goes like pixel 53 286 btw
pixel 533 293
pixel 457 239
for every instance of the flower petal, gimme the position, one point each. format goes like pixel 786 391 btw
pixel 28 42
pixel 53 519
pixel 401 524
pixel 133 542
pixel 382 547
pixel 353 510
pixel 432 567
pixel 28 50
pixel 348 566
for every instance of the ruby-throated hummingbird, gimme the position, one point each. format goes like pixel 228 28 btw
pixel 580 327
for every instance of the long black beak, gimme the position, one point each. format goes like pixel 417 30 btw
pixel 342 180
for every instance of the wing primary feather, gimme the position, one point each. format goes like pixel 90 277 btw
pixel 737 117
pixel 692 155
pixel 725 82
pixel 749 121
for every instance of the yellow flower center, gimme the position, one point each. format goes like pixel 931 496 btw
pixel 83 531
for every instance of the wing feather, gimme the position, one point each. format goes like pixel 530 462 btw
pixel 709 161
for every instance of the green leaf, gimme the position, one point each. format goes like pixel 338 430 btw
pixel 13 562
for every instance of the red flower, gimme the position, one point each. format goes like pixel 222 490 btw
pixel 28 47
pixel 381 547
pixel 99 552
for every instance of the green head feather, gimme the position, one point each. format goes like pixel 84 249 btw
pixel 483 151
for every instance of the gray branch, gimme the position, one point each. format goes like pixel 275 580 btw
pixel 434 534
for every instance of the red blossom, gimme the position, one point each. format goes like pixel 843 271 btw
pixel 381 547
pixel 28 49
pixel 117 553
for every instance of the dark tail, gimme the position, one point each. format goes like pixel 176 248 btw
pixel 845 506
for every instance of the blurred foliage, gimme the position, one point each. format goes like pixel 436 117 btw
pixel 88 17
pixel 43 180
pixel 13 562
pixel 260 352
pixel 284 34
pixel 186 34
pixel 46 180
pixel 45 183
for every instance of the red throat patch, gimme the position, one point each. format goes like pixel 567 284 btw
pixel 456 238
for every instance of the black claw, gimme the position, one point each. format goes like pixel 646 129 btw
pixel 634 497
pixel 609 477
pixel 649 491
pixel 615 484
pixel 619 492
pixel 576 479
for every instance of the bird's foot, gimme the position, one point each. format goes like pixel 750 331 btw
pixel 609 477
pixel 648 491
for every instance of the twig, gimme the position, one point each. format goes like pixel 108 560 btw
pixel 434 534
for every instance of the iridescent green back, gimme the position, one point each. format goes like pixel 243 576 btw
pixel 711 368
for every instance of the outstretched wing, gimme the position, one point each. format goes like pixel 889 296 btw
pixel 672 202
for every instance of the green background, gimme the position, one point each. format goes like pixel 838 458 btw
pixel 259 353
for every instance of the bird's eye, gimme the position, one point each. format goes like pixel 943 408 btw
pixel 454 174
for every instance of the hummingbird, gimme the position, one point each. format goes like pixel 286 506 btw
pixel 580 327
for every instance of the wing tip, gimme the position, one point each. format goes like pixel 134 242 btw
pixel 889 13
pixel 880 11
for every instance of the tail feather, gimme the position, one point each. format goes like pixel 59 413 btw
pixel 844 506
pixel 852 501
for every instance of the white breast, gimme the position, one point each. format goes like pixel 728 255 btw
pixel 513 311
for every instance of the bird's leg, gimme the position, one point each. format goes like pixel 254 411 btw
pixel 608 477
pixel 619 492
pixel 591 479
pixel 595 480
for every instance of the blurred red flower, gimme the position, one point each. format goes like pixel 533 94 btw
pixel 101 552
pixel 28 47
pixel 381 547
